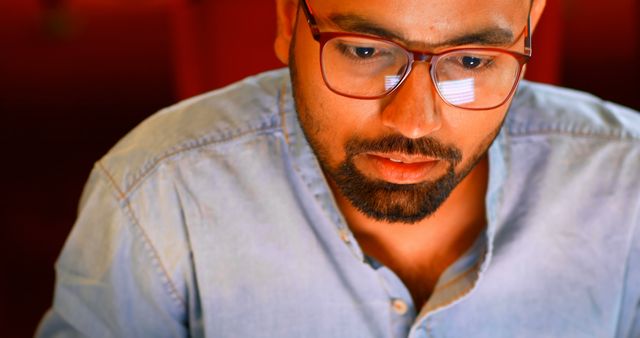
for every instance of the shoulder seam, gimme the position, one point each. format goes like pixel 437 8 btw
pixel 183 147
pixel 112 181
pixel 170 286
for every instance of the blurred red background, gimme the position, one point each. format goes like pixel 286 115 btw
pixel 76 75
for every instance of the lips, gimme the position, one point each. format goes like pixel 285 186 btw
pixel 399 168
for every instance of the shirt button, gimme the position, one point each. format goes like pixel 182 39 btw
pixel 399 306
pixel 344 236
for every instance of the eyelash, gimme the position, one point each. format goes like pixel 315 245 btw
pixel 350 51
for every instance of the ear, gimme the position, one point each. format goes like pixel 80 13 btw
pixel 286 11
pixel 537 7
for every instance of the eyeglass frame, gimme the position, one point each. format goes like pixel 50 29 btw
pixel 414 55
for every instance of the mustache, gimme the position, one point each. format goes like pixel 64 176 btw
pixel 394 143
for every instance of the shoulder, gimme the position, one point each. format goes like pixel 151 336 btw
pixel 544 109
pixel 569 150
pixel 243 109
pixel 567 138
pixel 559 137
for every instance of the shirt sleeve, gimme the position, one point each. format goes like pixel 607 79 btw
pixel 110 281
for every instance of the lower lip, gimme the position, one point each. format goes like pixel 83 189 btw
pixel 398 172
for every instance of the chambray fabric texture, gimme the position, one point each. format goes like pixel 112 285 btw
pixel 213 219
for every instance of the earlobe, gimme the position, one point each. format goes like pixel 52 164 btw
pixel 286 12
pixel 536 12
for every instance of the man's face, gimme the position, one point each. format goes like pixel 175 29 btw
pixel 397 159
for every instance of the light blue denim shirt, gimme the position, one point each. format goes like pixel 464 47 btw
pixel 213 219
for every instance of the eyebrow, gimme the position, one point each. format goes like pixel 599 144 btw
pixel 490 36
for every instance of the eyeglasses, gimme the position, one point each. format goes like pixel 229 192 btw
pixel 368 67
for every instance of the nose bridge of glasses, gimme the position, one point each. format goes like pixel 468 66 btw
pixel 427 58
pixel 423 57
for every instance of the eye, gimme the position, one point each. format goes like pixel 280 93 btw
pixel 471 62
pixel 364 52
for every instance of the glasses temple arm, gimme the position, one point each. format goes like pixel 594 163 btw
pixel 310 19
pixel 527 37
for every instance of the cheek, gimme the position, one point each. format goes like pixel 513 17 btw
pixel 330 120
pixel 327 118
pixel 325 114
pixel 472 130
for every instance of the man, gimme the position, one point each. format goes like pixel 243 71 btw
pixel 390 184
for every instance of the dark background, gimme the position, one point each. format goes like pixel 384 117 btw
pixel 75 76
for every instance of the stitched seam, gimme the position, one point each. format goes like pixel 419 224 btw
pixel 111 180
pixel 336 219
pixel 200 144
pixel 151 250
pixel 340 225
pixel 155 259
pixel 283 114
pixel 617 136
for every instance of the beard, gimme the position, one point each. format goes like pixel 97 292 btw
pixel 390 202
pixel 377 199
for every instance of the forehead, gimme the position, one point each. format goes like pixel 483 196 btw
pixel 427 21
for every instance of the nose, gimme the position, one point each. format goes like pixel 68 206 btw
pixel 412 111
